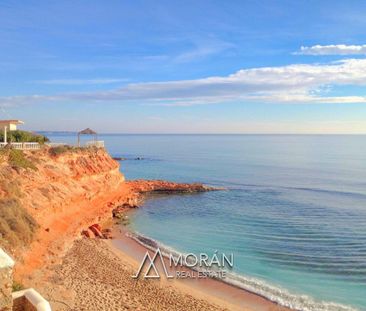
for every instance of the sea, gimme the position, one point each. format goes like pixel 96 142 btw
pixel 293 212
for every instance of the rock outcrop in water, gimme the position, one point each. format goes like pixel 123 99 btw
pixel 161 186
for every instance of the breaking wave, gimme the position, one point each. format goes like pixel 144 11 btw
pixel 274 293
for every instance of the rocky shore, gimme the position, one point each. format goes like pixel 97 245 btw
pixel 60 194
pixel 72 198
pixel 137 189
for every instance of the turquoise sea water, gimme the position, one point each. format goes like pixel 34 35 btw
pixel 293 214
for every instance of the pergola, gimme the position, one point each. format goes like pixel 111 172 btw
pixel 87 131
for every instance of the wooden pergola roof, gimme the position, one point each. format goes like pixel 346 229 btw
pixel 87 131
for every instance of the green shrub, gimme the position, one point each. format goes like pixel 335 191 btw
pixel 17 286
pixel 55 151
pixel 24 136
pixel 17 160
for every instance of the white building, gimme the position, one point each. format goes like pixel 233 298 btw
pixel 9 125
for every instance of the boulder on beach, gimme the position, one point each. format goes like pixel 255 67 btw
pixel 97 230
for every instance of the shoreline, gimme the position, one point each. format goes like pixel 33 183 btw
pixel 79 190
pixel 215 291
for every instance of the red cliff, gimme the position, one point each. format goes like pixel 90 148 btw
pixel 65 192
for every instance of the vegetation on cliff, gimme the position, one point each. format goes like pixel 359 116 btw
pixel 55 151
pixel 58 150
pixel 24 136
pixel 16 159
pixel 17 227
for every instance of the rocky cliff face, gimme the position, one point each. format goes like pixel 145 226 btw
pixel 62 181
pixel 48 196
pixel 62 192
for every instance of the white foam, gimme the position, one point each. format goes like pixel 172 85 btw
pixel 274 293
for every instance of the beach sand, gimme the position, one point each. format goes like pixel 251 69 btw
pixel 97 275
pixel 212 290
pixel 93 278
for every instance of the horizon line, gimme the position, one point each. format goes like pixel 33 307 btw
pixel 126 133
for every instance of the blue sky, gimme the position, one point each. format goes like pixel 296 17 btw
pixel 184 66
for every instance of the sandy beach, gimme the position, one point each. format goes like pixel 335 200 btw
pixel 97 275
pixel 92 277
pixel 211 290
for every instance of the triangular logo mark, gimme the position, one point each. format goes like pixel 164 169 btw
pixel 151 265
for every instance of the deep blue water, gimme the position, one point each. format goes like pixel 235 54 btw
pixel 293 214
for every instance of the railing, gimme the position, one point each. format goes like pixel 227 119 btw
pixel 30 299
pixel 31 146
pixel 21 146
pixel 36 146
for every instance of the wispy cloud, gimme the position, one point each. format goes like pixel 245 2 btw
pixel 81 81
pixel 333 49
pixel 198 53
pixel 202 50
pixel 299 83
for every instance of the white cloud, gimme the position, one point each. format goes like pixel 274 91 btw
pixel 333 49
pixel 300 83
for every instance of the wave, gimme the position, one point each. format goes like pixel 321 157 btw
pixel 273 293
pixel 239 185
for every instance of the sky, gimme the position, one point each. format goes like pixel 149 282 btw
pixel 184 66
